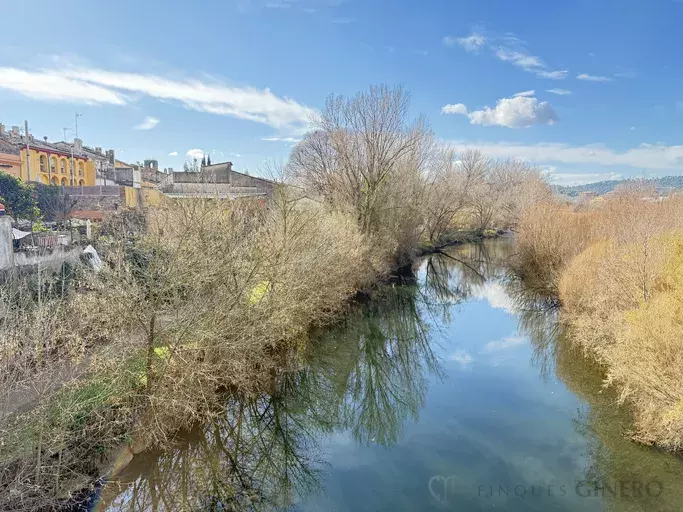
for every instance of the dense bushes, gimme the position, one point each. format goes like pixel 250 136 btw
pixel 202 295
pixel 617 267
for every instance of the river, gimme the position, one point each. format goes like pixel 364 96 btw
pixel 455 391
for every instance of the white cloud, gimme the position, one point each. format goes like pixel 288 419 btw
pixel 236 155
pixel 519 59
pixel 52 85
pixel 471 43
pixel 458 108
pixel 525 93
pixel 553 75
pixel 529 63
pixel 504 344
pixel 281 139
pixel 93 85
pixel 173 153
pixel 508 48
pixel 517 112
pixel 195 153
pixel 462 357
pixel 148 123
pixel 559 92
pixel 593 78
pixel 495 295
pixel 633 128
pixel 644 156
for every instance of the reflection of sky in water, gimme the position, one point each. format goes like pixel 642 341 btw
pixel 429 397
pixel 492 423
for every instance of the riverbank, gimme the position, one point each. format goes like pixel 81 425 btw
pixel 616 268
pixel 453 238
pixel 130 356
pixel 446 371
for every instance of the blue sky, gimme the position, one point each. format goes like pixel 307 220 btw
pixel 240 78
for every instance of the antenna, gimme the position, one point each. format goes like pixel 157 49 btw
pixel 77 116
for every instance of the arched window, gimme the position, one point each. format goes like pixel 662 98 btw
pixel 42 163
pixel 53 165
pixel 80 169
pixel 63 182
pixel 62 166
pixel 81 182
pixel 54 180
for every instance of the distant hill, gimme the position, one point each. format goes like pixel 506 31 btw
pixel 603 187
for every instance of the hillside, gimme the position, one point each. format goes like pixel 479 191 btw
pixel 603 187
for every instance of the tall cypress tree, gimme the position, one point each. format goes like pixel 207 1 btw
pixel 208 160
pixel 203 161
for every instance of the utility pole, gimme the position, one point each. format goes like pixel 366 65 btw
pixel 72 152
pixel 77 116
pixel 28 152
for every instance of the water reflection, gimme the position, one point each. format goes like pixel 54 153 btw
pixel 628 476
pixel 366 375
pixel 368 378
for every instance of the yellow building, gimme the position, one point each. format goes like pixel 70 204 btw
pixel 51 164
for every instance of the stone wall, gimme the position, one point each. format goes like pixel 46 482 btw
pixel 99 203
pixel 6 246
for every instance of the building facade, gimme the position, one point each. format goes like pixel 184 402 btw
pixel 10 159
pixel 52 165
pixel 62 164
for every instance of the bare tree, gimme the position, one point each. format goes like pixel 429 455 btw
pixel 450 181
pixel 358 147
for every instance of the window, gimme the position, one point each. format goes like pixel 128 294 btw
pixel 53 165
pixel 63 167
pixel 81 182
pixel 63 182
pixel 42 163
pixel 80 169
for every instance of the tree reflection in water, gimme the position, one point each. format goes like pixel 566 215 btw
pixel 613 459
pixel 365 375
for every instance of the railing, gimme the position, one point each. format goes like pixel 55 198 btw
pixel 98 190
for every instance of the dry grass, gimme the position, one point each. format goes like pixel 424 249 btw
pixel 619 282
pixel 204 299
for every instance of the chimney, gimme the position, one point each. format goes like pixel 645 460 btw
pixel 2 129
pixel 98 150
pixel 15 131
pixel 45 138
pixel 110 157
pixel 78 146
pixel 229 164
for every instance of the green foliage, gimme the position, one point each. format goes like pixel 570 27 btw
pixel 39 227
pixel 18 198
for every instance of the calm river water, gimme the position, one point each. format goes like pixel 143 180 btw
pixel 453 392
